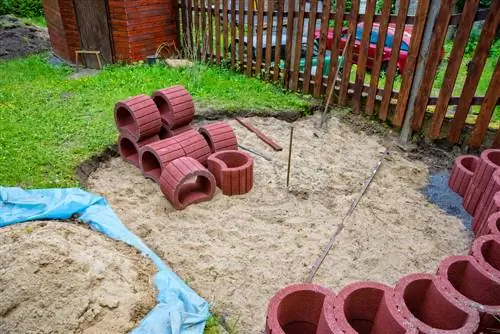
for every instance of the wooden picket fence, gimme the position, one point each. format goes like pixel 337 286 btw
pixel 227 32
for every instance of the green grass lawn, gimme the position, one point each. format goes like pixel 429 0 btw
pixel 49 123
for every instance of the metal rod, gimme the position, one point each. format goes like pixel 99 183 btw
pixel 289 157
pixel 254 152
pixel 354 204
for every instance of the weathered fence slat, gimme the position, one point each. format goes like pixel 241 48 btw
pixel 196 27
pixel 249 40
pixel 411 62
pixel 487 108
pixel 241 34
pixel 475 70
pixel 184 11
pixel 298 45
pixel 337 32
pixel 309 47
pixel 224 28
pixel 279 32
pixel 349 54
pixel 289 36
pixel 203 31
pixel 217 29
pixel 210 31
pixel 322 50
pixel 379 52
pixel 363 56
pixel 260 25
pixel 233 33
pixel 269 39
pixel 393 62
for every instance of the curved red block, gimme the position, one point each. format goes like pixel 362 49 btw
pixel 219 136
pixel 194 145
pixel 492 226
pixel 465 280
pixel 462 173
pixel 296 309
pixel 138 116
pixel 488 163
pixel 233 171
pixel 487 201
pixel 167 132
pixel 365 308
pixel 480 221
pixel 176 183
pixel 421 300
pixel 129 148
pixel 176 106
pixel 486 251
pixel 153 158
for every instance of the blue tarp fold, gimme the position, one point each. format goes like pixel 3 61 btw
pixel 179 310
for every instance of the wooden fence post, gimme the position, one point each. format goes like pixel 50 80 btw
pixel 432 14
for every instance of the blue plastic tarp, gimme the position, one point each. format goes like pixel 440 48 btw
pixel 179 309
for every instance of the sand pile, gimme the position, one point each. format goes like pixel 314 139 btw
pixel 238 251
pixel 58 277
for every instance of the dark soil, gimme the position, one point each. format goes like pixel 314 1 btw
pixel 19 39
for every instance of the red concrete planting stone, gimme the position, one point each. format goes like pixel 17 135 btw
pixel 177 183
pixel 176 106
pixel 421 300
pixel 138 116
pixel 167 132
pixel 492 225
pixel 233 171
pixel 129 149
pixel 219 136
pixel 364 308
pixel 296 309
pixel 465 280
pixel 156 156
pixel 486 201
pixel 194 145
pixel 486 250
pixel 485 167
pixel 462 173
pixel 480 221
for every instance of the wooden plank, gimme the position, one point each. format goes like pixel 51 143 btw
pixel 204 32
pixel 393 62
pixel 457 53
pixel 259 134
pixel 241 33
pixel 298 45
pixel 475 70
pixel 196 27
pixel 363 56
pixel 233 33
pixel 377 63
pixel 269 40
pixel 250 39
pixel 289 36
pixel 279 32
pixel 322 50
pixel 210 31
pixel 411 62
pixel 454 101
pixel 217 29
pixel 224 28
pixel 353 22
pixel 487 109
pixel 260 23
pixel 309 48
pixel 337 32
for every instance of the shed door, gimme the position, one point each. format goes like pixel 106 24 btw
pixel 95 35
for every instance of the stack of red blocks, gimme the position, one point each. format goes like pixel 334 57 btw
pixel 156 135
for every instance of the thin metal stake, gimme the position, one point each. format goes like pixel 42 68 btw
pixel 289 157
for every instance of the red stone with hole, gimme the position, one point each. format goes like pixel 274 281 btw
pixel 233 171
pixel 176 106
pixel 138 116
pixel 465 280
pixel 480 221
pixel 296 309
pixel 185 181
pixel 219 136
pixel 194 145
pixel 492 226
pixel 422 301
pixel 129 149
pixel 487 201
pixel 485 167
pixel 462 173
pixel 486 250
pixel 167 132
pixel 364 308
pixel 156 156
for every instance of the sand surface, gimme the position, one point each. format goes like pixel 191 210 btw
pixel 59 277
pixel 238 251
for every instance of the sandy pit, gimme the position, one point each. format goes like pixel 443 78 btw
pixel 59 277
pixel 238 251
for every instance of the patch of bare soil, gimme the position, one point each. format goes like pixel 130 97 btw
pixel 237 252
pixel 19 39
pixel 59 277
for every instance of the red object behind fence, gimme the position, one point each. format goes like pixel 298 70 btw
pixel 462 173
